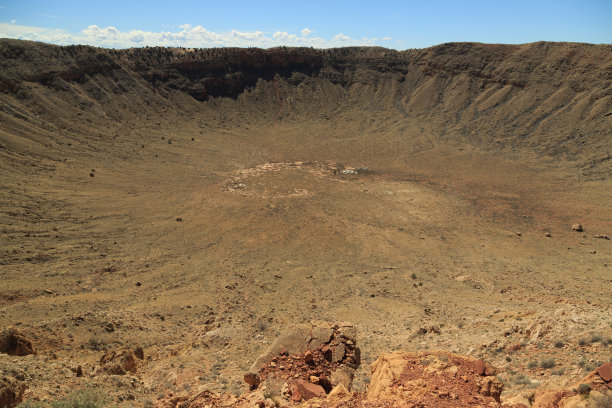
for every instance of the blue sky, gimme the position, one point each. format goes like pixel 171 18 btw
pixel 393 24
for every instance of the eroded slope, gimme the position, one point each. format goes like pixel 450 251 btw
pixel 194 202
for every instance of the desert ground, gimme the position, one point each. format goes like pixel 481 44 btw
pixel 196 204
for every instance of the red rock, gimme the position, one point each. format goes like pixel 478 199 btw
pixel 480 367
pixel 483 369
pixel 308 358
pixel 327 352
pixel 308 390
pixel 252 380
pixel 295 394
pixel 605 372
pixel 325 383
pixel 516 347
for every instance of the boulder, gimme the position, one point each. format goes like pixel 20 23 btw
pixel 520 400
pixel 339 392
pixel 605 372
pixel 294 340
pixel 252 380
pixel 309 390
pixel 342 376
pixel 303 350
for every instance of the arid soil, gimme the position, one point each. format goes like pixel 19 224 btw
pixel 191 204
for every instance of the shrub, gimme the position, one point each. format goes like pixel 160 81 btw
pixel 95 343
pixel 532 364
pixel 559 344
pixel 521 379
pixel 584 389
pixel 548 363
pixel 596 338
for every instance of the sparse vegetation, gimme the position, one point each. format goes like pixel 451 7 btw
pixel 87 398
pixel 584 389
pixel 596 338
pixel 548 363
pixel 520 379
pixel 96 344
pixel 558 371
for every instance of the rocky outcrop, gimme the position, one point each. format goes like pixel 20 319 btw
pixel 14 343
pixel 11 391
pixel 119 362
pixel 308 361
pixel 298 371
pixel 399 380
pixel 594 390
pixel 436 379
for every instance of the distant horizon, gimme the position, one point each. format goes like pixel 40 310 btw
pixel 308 47
pixel 392 25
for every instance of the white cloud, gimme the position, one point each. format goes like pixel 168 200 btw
pixel 341 37
pixel 284 37
pixel 13 30
pixel 188 36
